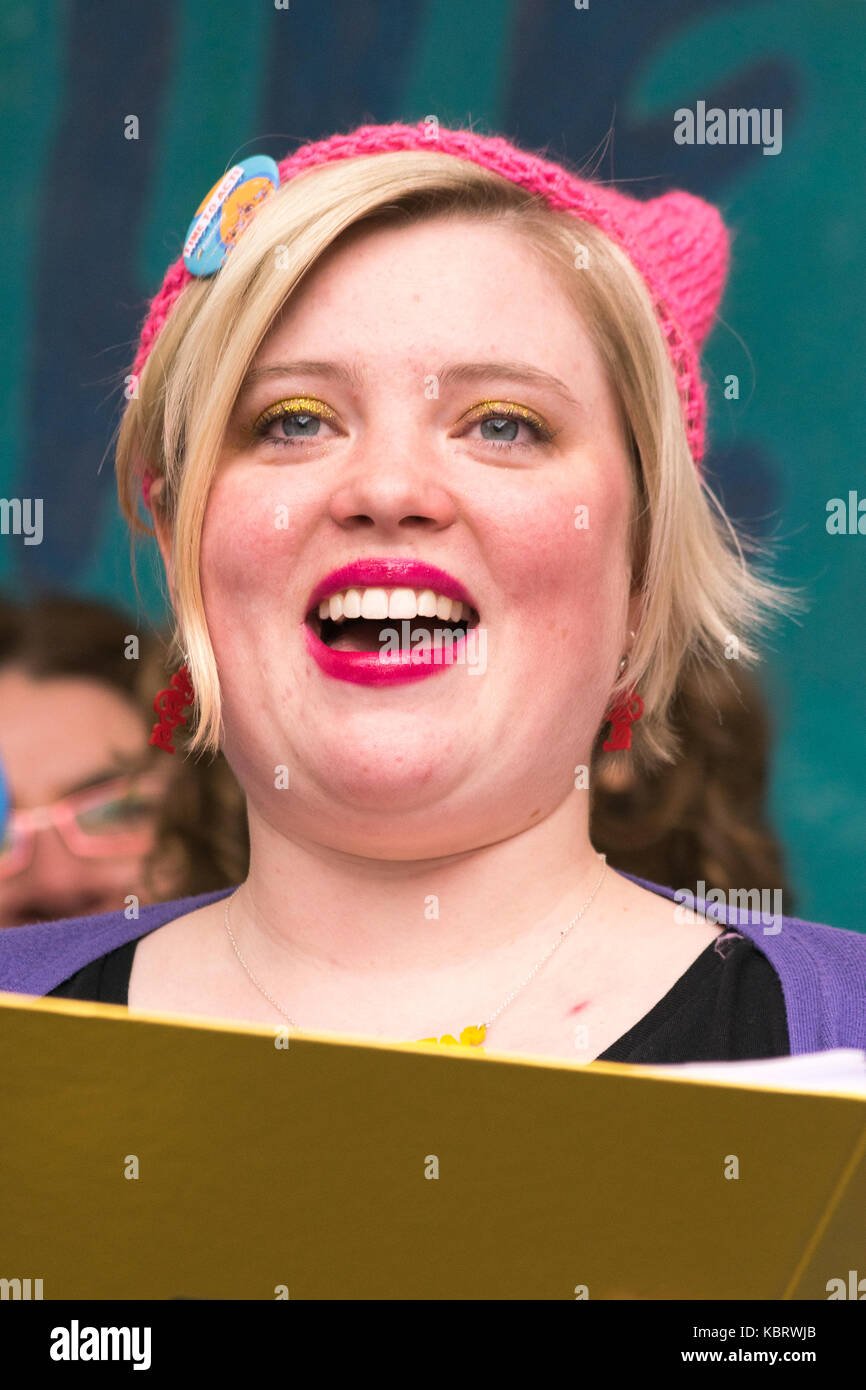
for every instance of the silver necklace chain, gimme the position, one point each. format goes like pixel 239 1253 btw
pixel 555 947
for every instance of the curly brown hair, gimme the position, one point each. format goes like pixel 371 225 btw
pixel 704 816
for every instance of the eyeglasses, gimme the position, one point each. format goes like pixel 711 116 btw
pixel 114 818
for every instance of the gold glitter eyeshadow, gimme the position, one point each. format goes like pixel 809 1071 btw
pixel 294 405
pixel 486 410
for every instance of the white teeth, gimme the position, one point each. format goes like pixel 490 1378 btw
pixel 398 604
pixel 402 604
pixel 352 603
pixel 374 603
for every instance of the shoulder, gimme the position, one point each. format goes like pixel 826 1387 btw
pixel 759 916
pixel 823 975
pixel 822 969
pixel 34 959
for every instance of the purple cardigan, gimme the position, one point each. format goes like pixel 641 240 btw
pixel 822 969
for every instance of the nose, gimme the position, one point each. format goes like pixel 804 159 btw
pixel 393 483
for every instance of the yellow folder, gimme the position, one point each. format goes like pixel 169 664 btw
pixel 150 1157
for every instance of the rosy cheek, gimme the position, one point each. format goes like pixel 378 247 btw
pixel 563 544
pixel 250 536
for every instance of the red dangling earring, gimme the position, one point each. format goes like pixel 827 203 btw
pixel 169 705
pixel 621 718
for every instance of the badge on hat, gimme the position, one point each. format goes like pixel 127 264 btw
pixel 223 214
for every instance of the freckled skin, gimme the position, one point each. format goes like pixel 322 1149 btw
pixel 459 787
pixel 398 480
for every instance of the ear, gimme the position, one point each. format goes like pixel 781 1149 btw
pixel 163 528
pixel 692 242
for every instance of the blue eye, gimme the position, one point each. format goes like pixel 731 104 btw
pixel 300 425
pixel 502 428
pixel 298 418
pixel 301 419
pixel 501 421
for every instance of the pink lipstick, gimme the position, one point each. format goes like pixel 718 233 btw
pixel 436 642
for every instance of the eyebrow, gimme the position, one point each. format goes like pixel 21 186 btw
pixel 126 765
pixel 106 775
pixel 352 374
pixel 348 373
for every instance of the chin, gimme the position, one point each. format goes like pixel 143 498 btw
pixel 390 779
pixel 401 836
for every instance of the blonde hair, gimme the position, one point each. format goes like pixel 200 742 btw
pixel 698 593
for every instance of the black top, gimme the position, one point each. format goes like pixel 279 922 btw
pixel 728 1006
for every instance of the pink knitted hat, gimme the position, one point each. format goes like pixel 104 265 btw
pixel 677 242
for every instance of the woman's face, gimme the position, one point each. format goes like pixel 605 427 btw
pixel 390 355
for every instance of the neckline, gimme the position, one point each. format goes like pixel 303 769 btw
pixel 701 972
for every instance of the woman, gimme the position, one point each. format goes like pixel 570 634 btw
pixel 433 381
pixel 85 787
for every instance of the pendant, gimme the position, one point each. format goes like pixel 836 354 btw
pixel 472 1036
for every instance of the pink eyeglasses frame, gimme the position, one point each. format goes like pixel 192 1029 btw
pixel 61 814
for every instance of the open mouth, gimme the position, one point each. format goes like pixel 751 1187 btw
pixel 366 620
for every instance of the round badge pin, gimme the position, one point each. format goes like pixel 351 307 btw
pixel 225 211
